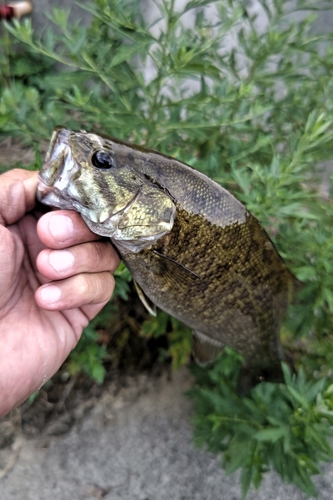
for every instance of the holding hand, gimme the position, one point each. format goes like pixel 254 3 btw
pixel 55 276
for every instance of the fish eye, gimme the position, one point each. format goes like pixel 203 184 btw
pixel 103 159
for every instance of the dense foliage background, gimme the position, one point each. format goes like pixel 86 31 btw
pixel 248 103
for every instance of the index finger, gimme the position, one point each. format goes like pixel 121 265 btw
pixel 63 229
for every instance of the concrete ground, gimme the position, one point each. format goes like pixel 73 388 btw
pixel 133 444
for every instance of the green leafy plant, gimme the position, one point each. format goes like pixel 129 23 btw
pixel 90 353
pixel 179 335
pixel 250 106
pixel 284 427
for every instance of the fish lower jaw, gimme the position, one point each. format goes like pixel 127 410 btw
pixel 49 195
pixel 46 195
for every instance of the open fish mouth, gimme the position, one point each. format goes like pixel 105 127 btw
pixel 58 172
pixel 50 195
pixel 44 192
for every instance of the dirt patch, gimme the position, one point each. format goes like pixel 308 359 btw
pixel 15 154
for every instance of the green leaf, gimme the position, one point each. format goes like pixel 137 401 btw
pixel 127 52
pixel 271 434
pixel 155 326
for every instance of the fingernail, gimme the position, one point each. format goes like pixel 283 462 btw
pixel 61 227
pixel 61 260
pixel 51 294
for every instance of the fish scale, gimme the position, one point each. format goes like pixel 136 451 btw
pixel 193 249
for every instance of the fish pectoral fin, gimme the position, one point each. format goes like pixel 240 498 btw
pixel 151 308
pixel 175 275
pixel 205 348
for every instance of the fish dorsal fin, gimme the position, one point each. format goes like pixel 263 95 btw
pixel 151 308
pixel 205 349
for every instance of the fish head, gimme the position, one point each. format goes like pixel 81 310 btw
pixel 83 172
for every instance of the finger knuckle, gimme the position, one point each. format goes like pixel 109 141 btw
pixel 97 254
pixel 106 284
pixel 83 285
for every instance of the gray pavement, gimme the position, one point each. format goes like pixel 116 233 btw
pixel 133 444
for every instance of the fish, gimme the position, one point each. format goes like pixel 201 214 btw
pixel 193 249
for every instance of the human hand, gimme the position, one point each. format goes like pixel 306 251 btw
pixel 55 276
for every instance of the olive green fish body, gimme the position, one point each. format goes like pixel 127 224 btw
pixel 226 290
pixel 191 246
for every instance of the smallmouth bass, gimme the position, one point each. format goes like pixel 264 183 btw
pixel 193 249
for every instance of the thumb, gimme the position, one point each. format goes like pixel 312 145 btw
pixel 17 194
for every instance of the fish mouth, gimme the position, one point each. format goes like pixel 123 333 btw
pixel 50 195
pixel 57 171
pixel 43 190
pixel 59 139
